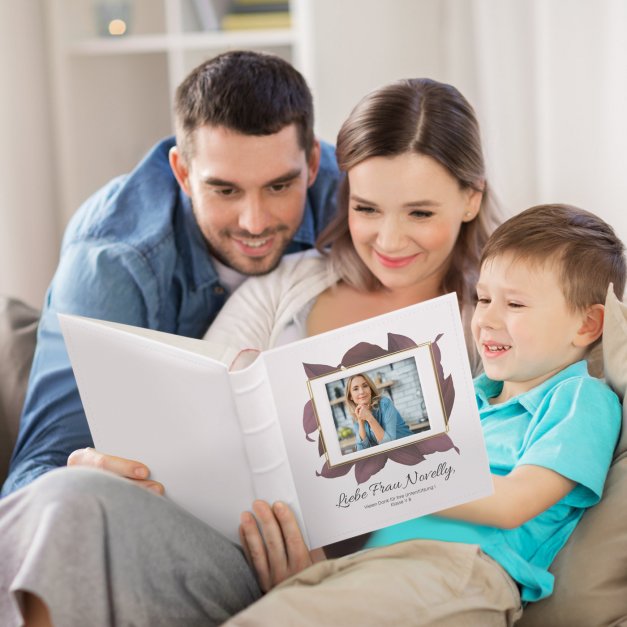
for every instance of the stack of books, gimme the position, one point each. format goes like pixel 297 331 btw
pixel 256 14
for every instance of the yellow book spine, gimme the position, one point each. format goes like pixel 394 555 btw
pixel 245 21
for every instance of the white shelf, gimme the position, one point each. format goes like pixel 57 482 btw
pixel 120 45
pixel 183 41
pixel 113 95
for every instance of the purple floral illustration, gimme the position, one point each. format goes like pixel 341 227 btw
pixel 408 455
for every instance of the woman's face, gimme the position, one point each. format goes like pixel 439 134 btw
pixel 404 216
pixel 360 392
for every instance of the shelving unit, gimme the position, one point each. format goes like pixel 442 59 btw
pixel 112 96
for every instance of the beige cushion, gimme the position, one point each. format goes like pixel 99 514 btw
pixel 615 355
pixel 591 570
pixel 18 328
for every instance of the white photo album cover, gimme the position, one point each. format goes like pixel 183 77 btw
pixel 356 429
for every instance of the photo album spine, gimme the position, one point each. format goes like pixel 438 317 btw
pixel 264 444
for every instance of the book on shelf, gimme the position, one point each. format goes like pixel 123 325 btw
pixel 256 20
pixel 219 431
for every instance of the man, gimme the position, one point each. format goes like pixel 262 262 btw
pixel 162 247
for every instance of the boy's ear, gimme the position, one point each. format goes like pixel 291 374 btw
pixel 592 326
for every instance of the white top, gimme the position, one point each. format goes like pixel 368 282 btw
pixel 272 310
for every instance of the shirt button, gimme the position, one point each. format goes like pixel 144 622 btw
pixel 218 289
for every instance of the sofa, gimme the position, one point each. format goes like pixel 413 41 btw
pixel 590 571
pixel 18 328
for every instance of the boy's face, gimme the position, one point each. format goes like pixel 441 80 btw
pixel 522 326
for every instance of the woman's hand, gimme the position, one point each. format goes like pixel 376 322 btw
pixel 136 471
pixel 365 415
pixel 273 544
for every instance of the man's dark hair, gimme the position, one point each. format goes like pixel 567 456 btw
pixel 248 92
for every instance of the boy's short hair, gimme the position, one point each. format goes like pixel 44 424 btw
pixel 252 93
pixel 584 248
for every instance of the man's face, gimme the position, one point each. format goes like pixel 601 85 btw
pixel 248 192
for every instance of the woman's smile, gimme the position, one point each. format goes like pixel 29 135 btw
pixel 395 262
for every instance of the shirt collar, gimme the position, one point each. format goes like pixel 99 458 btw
pixel 193 247
pixel 486 388
pixel 306 233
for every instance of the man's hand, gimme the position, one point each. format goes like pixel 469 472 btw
pixel 136 471
pixel 273 544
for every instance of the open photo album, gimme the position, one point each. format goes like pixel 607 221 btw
pixel 356 429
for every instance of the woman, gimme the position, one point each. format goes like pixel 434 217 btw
pixel 375 418
pixel 414 213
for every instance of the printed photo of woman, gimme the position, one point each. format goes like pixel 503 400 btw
pixel 375 419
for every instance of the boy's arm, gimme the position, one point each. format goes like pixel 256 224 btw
pixel 519 496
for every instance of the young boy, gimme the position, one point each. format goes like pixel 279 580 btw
pixel 550 430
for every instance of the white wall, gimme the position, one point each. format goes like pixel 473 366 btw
pixel 29 231
pixel 548 80
pixel 358 45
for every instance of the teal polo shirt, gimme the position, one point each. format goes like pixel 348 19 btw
pixel 569 424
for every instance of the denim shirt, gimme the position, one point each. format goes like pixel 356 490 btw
pixel 133 253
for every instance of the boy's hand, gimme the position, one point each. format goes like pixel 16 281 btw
pixel 273 543
pixel 130 469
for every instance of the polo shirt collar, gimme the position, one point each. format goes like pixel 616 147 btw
pixel 486 388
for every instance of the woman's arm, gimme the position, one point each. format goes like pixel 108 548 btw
pixel 390 419
pixel 361 436
pixel 519 496
pixel 256 313
pixel 361 428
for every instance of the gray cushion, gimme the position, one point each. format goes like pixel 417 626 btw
pixel 18 329
pixel 591 570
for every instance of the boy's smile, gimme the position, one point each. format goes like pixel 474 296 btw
pixel 523 328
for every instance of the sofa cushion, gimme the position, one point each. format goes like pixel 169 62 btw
pixel 591 570
pixel 615 356
pixel 18 329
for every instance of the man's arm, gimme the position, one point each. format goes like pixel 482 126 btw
pixel 98 280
